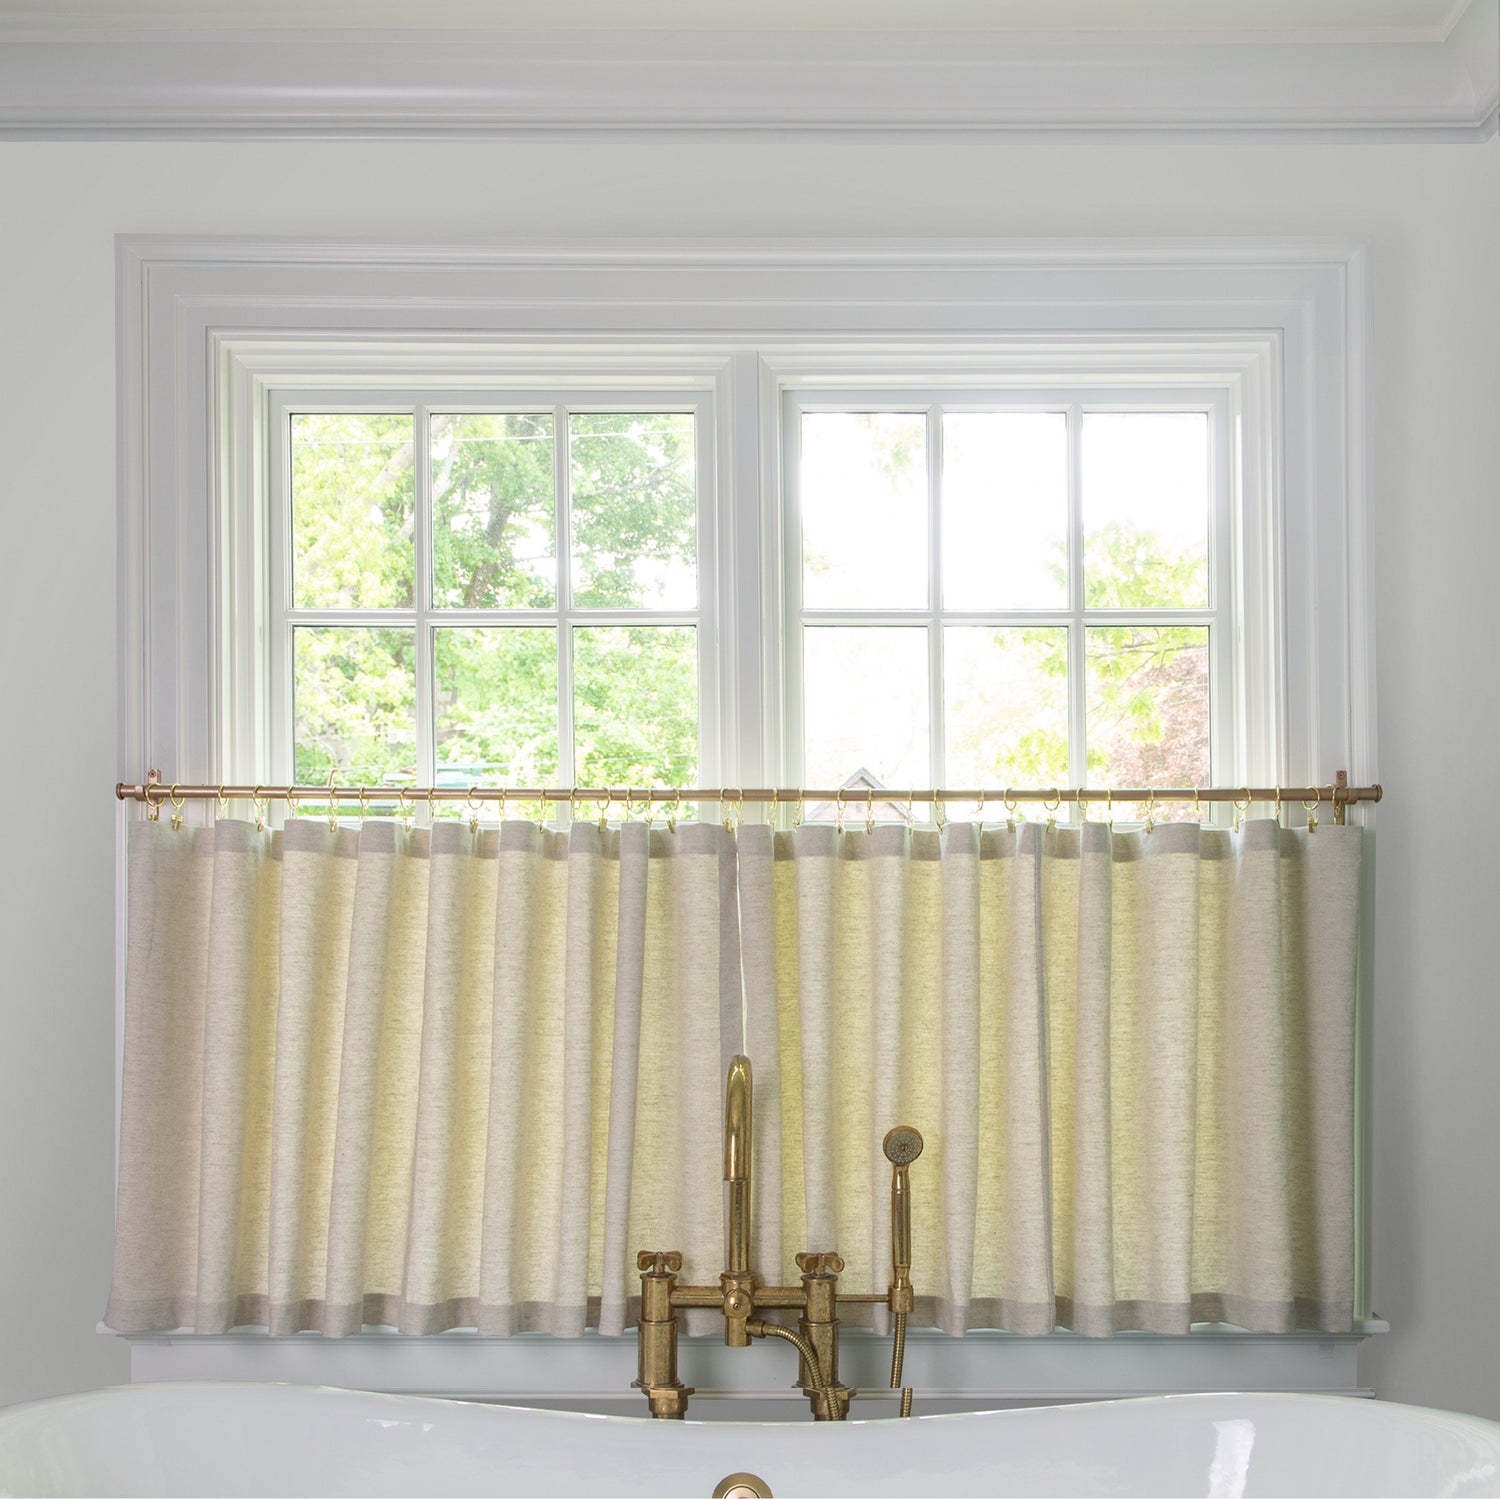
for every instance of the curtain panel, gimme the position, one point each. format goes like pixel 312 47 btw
pixel 433 1079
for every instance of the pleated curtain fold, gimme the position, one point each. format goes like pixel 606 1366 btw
pixel 436 1079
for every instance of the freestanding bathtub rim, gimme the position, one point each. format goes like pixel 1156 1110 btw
pixel 191 1437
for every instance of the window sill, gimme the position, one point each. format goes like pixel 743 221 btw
pixel 985 1369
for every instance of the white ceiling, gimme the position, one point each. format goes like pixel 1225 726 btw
pixel 1217 20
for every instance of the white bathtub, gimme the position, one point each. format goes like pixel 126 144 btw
pixel 231 1439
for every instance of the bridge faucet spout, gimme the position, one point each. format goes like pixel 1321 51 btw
pixel 737 1128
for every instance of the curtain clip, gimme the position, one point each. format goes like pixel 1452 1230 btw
pixel 1241 807
pixel 1312 805
pixel 1052 807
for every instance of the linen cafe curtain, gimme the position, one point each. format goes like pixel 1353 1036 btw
pixel 438 1078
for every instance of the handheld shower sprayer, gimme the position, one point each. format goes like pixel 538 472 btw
pixel 902 1146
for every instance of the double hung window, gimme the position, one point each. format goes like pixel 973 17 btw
pixel 995 590
pixel 932 514
pixel 979 587
pixel 498 594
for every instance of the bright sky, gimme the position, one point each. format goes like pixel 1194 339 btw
pixel 1005 501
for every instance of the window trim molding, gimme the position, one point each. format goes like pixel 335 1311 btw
pixel 200 321
pixel 196 317
pixel 979 1372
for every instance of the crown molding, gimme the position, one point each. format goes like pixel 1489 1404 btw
pixel 1269 20
pixel 321 84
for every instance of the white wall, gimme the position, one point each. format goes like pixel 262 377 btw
pixel 1432 217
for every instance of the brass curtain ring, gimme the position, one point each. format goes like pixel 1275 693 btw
pixel 432 805
pixel 939 809
pixel 364 804
pixel 293 801
pixel 177 803
pixel 1109 807
pixel 1278 804
pixel 1150 808
pixel 153 809
pixel 474 809
pixel 223 808
pixel 333 806
pixel 979 810
pixel 1197 806
pixel 603 800
pixel 260 804
pixel 801 812
pixel 1241 807
pixel 870 813
pixel 1312 808
pixel 838 810
pixel 1012 809
pixel 404 798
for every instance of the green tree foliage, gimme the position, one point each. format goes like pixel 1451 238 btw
pixel 1146 702
pixel 494 547
pixel 1147 705
pixel 493 486
pixel 633 545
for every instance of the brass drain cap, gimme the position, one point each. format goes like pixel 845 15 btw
pixel 742 1487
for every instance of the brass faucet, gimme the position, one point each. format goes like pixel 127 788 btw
pixel 741 1297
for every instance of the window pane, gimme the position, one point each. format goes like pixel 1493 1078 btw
pixel 1006 706
pixel 495 707
pixel 1148 707
pixel 352 510
pixel 1005 511
pixel 864 510
pixel 635 705
pixel 865 697
pixel 1145 510
pixel 634 510
pixel 494 540
pixel 354 697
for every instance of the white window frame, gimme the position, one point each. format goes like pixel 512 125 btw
pixel 269 673
pixel 208 327
pixel 1231 727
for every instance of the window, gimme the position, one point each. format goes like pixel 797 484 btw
pixel 488 595
pixel 996 590
pixel 223 344
pixel 985 588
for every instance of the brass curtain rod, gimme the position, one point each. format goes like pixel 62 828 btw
pixel 1337 793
